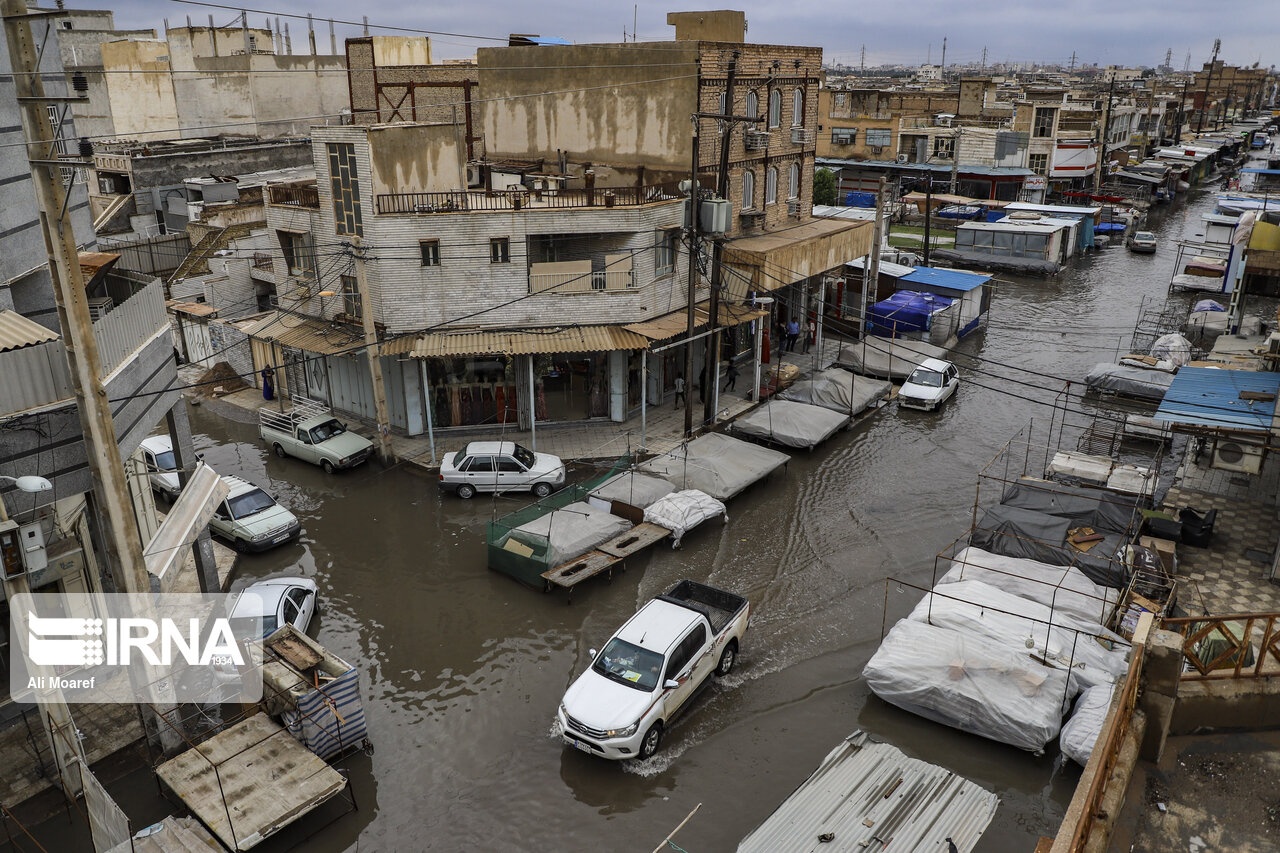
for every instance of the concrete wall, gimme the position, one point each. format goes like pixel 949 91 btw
pixel 1225 705
pixel 725 25
pixel 416 159
pixel 232 346
pixel 390 82
pixel 140 86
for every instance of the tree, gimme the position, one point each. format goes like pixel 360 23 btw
pixel 824 187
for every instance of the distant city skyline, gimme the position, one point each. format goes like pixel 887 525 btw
pixel 1140 33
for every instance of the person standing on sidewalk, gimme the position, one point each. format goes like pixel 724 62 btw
pixel 793 335
pixel 679 390
pixel 731 375
pixel 810 335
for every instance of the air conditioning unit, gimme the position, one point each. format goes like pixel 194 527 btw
pixel 793 207
pixel 877 149
pixel 801 136
pixel 756 140
pixel 1231 455
pixel 474 176
pixel 903 158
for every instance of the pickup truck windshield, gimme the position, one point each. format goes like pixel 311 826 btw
pixel 326 431
pixel 249 503
pixel 524 456
pixel 630 665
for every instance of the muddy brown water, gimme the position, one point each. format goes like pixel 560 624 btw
pixel 462 668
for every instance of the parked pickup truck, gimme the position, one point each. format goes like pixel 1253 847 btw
pixel 650 670
pixel 310 432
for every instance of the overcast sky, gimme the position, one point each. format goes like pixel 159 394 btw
pixel 1135 32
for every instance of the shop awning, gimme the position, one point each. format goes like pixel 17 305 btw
pixel 306 334
pixel 677 322
pixel 792 254
pixel 521 341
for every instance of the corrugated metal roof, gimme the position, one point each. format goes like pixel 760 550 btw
pixel 677 322
pixel 949 279
pixel 305 333
pixel 1207 397
pixel 997 171
pixel 870 796
pixel 526 341
pixel 17 332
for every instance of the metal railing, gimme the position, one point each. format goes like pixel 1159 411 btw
pixel 521 199
pixel 130 325
pixel 1218 647
pixel 294 195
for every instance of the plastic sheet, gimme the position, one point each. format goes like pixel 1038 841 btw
pixel 1211 324
pixel 1018 532
pixel 567 533
pixel 1172 348
pixel 680 512
pixel 1019 624
pixel 969 683
pixel 720 465
pixel 631 487
pixel 838 390
pixel 887 358
pixel 1129 381
pixel 1081 732
pixel 792 424
pixel 1067 590
pixel 1099 510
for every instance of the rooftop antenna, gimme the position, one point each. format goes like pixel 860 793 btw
pixel 333 39
pixel 862 62
pixel 984 58
pixel 1168 58
pixel 944 54
pixel 1186 66
pixel 366 26
pixel 1072 68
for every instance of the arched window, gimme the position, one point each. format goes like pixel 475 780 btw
pixel 797 108
pixel 794 189
pixel 775 108
pixel 748 190
pixel 771 185
pixel 753 104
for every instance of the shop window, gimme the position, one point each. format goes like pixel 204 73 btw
pixel 430 252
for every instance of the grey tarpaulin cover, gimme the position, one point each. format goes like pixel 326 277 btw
pixel 1018 532
pixel 680 512
pixel 1130 381
pixel 1097 509
pixel 632 487
pixel 838 390
pixel 570 532
pixel 1210 324
pixel 1018 624
pixel 1080 733
pixel 793 424
pixel 1067 590
pixel 968 682
pixel 891 358
pixel 720 465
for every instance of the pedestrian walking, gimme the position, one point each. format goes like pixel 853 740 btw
pixel 793 335
pixel 679 389
pixel 731 375
pixel 268 383
pixel 810 335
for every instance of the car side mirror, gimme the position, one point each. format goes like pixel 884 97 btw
pixel 671 684
pixel 591 652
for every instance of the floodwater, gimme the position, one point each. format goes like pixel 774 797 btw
pixel 462 668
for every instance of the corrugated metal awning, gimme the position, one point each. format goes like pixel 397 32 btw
pixel 17 332
pixel 195 309
pixel 306 334
pixel 677 322
pixel 522 341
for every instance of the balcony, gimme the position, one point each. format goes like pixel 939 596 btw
pixel 294 195
pixel 579 277
pixel 523 199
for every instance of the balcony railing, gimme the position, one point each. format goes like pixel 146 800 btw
pixel 294 195
pixel 463 202
pixel 130 325
pixel 1244 645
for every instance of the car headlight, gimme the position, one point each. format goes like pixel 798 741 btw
pixel 344 461
pixel 627 732
pixel 258 537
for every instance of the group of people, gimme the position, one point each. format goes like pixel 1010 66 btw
pixel 789 335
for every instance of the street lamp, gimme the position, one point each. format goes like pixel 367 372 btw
pixel 29 483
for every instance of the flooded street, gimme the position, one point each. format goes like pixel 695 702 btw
pixel 462 668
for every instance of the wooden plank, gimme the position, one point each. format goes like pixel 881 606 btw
pixel 634 540
pixel 579 569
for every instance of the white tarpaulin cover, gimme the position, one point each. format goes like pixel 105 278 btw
pixel 1130 381
pixel 718 464
pixel 1173 348
pixel 968 682
pixel 1080 733
pixel 569 532
pixel 634 488
pixel 1020 624
pixel 1066 589
pixel 1210 324
pixel 892 358
pixel 680 512
pixel 793 424
pixel 838 390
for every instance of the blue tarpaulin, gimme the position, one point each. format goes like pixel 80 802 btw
pixel 856 199
pixel 1109 228
pixel 903 312
pixel 994 215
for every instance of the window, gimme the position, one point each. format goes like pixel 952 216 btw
pixel 943 147
pixel 345 184
pixel 797 108
pixel 748 190
pixel 771 185
pixel 430 252
pixel 793 188
pixel 753 103
pixel 879 137
pixel 299 256
pixel 1038 163
pixel 1043 122
pixel 775 108
pixel 507 465
pixel 665 245
pixel 499 250
pixel 480 465
pixel 844 135
pixel 351 297
pixel 721 106
pixel 840 96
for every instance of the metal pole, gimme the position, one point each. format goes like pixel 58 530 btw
pixel 928 214
pixel 426 393
pixel 1103 131
pixel 755 389
pixel 371 352
pixel 712 358
pixel 695 195
pixel 533 410
pixel 644 398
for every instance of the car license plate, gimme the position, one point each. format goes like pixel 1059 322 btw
pixel 582 746
pixel 280 538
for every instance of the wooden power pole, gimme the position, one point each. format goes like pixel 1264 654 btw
pixel 371 351
pixel 711 369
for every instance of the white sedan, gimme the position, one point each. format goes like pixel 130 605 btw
pixel 277 601
pixel 500 466
pixel 929 385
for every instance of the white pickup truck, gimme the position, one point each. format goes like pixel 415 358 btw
pixel 650 670
pixel 310 432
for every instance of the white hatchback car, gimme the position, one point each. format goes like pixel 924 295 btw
pixel 276 602
pixel 929 385
pixel 162 468
pixel 500 466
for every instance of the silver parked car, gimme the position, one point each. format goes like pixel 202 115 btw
pixel 277 601
pixel 500 466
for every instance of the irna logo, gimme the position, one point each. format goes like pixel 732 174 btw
pixel 62 641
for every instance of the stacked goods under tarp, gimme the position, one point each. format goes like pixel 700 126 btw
pixel 1065 589
pixel 632 488
pixel 906 312
pixel 1053 637
pixel 838 390
pixel 1080 733
pixel 315 693
pixel 720 465
pixel 891 358
pixel 1205 326
pixel 565 533
pixel 680 512
pixel 1032 535
pixel 1128 381
pixel 970 683
pixel 791 424
pixel 1100 510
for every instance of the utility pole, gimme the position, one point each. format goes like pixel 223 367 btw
pixel 955 160
pixel 1182 105
pixel 1103 132
pixel 371 352
pixel 928 211
pixel 1071 69
pixel 711 364
pixel 943 66
pixel 877 238
pixel 1227 104
pixel 695 197
pixel 1217 43
pixel 984 58
pixel 1151 102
